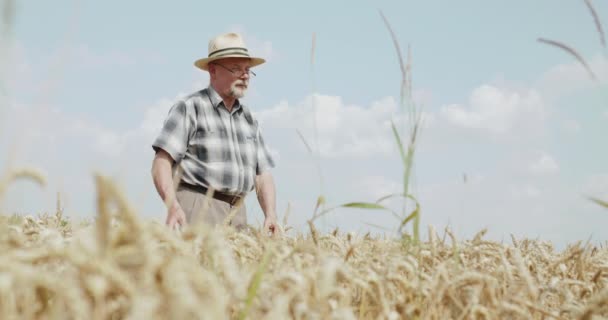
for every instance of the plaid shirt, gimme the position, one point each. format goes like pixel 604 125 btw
pixel 215 148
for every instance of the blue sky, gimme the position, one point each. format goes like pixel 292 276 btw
pixel 87 85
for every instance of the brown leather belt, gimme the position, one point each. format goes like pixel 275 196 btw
pixel 230 199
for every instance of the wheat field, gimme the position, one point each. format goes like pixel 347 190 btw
pixel 123 267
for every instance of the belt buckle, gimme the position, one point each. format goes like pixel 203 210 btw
pixel 234 200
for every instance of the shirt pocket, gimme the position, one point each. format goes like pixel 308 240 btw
pixel 249 150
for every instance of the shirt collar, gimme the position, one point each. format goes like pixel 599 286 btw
pixel 216 99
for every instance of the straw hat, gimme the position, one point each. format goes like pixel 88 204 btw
pixel 228 45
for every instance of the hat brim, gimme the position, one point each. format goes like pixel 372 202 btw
pixel 204 62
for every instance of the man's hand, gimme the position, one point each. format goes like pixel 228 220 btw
pixel 264 187
pixel 176 217
pixel 162 175
pixel 271 226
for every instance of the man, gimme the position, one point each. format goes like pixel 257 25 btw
pixel 215 141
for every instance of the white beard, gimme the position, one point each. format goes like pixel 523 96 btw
pixel 237 92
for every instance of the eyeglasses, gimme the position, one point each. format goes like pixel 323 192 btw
pixel 236 72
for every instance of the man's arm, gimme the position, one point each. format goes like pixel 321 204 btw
pixel 265 189
pixel 162 175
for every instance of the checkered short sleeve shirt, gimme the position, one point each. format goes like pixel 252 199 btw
pixel 215 148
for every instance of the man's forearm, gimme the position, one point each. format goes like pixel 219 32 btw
pixel 163 179
pixel 266 193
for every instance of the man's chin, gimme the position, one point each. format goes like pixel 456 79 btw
pixel 238 93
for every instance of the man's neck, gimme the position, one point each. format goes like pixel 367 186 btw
pixel 228 101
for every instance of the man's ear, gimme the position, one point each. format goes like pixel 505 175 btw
pixel 211 69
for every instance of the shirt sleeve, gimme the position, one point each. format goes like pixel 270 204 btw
pixel 176 132
pixel 264 158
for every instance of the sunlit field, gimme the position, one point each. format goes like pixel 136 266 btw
pixel 122 267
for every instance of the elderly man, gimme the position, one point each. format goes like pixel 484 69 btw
pixel 216 142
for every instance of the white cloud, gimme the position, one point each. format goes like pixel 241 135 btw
pixel 48 126
pixel 343 130
pixel 498 110
pixel 69 148
pixel 566 79
pixel 545 164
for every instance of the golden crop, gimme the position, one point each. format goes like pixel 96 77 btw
pixel 122 267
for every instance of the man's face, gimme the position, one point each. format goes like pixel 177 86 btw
pixel 230 76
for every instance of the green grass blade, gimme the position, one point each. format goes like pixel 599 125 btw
pixel 600 202
pixel 254 286
pixel 415 215
pixel 399 143
pixel 376 226
pixel 414 120
pixel 416 226
pixel 320 202
pixel 368 205
pixel 395 195
pixel 410 217
pixel 359 205
pixel 363 205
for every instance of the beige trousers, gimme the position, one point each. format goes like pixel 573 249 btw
pixel 213 212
